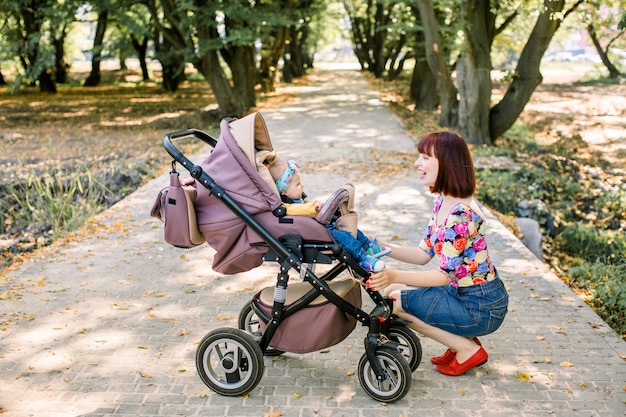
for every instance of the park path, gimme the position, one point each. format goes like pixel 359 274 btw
pixel 107 323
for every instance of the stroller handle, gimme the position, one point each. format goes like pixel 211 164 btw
pixel 168 144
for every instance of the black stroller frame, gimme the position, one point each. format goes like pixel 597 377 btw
pixel 392 350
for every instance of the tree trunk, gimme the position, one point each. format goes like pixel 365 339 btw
pixel 32 26
pixel 613 71
pixel 46 83
pixel 423 90
pixel 141 48
pixel 445 86
pixel 60 66
pixel 94 76
pixel 528 77
pixel 2 80
pixel 474 75
pixel 172 63
pixel 243 68
pixel 268 68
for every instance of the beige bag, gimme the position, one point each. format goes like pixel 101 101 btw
pixel 175 206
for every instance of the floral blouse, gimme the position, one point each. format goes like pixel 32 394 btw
pixel 461 245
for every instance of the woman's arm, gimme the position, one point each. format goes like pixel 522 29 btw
pixel 408 254
pixel 430 278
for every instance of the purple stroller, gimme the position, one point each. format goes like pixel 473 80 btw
pixel 243 219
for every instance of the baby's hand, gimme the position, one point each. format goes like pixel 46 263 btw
pixel 317 205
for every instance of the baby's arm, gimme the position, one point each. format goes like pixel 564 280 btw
pixel 302 209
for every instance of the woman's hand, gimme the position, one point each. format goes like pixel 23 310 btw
pixel 380 280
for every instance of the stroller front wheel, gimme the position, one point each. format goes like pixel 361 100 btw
pixel 229 361
pixel 397 381
pixel 250 322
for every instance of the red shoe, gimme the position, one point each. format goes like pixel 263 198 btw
pixel 448 356
pixel 455 369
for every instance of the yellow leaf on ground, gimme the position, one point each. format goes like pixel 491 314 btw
pixel 523 377
pixel 350 373
pixel 297 395
pixel 274 414
pixel 566 364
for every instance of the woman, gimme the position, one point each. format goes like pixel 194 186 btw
pixel 463 298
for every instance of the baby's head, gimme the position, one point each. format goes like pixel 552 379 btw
pixel 287 177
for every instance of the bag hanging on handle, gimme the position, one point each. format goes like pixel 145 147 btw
pixel 175 206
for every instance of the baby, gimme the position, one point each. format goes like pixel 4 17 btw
pixel 289 183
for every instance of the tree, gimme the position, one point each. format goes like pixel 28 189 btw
pixel 603 27
pixel 471 113
pixel 93 79
pixel 27 27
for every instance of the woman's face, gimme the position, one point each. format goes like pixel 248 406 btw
pixel 295 188
pixel 428 168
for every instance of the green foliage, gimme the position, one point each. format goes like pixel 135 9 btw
pixel 64 202
pixel 606 286
pixel 591 244
pixel 588 204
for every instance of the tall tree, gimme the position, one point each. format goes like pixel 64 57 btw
pixel 471 112
pixel 27 24
pixel 528 76
pixel 601 19
pixel 438 66
pixel 93 79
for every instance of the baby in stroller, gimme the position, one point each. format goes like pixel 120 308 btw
pixel 288 180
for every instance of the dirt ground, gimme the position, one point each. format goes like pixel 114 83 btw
pixel 595 112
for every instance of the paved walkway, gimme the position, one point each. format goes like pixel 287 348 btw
pixel 108 322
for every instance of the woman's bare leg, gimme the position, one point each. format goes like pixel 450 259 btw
pixel 463 346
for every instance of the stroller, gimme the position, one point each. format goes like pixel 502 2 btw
pixel 243 219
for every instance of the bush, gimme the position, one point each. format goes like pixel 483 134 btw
pixel 591 244
pixel 606 287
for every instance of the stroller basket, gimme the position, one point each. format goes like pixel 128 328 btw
pixel 245 222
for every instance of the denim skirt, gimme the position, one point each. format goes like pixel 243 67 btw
pixel 466 311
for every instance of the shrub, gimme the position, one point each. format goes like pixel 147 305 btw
pixel 606 285
pixel 591 244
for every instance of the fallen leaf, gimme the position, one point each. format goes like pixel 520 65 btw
pixel 297 395
pixel 523 377
pixel 539 338
pixel 274 414
pixel 566 364
pixel 350 373
pixel 144 375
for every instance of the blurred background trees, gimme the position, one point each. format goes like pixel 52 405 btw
pixel 242 48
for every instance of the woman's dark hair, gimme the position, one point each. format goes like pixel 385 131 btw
pixel 456 170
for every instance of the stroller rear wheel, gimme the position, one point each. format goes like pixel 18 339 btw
pixel 397 381
pixel 410 346
pixel 249 321
pixel 229 361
